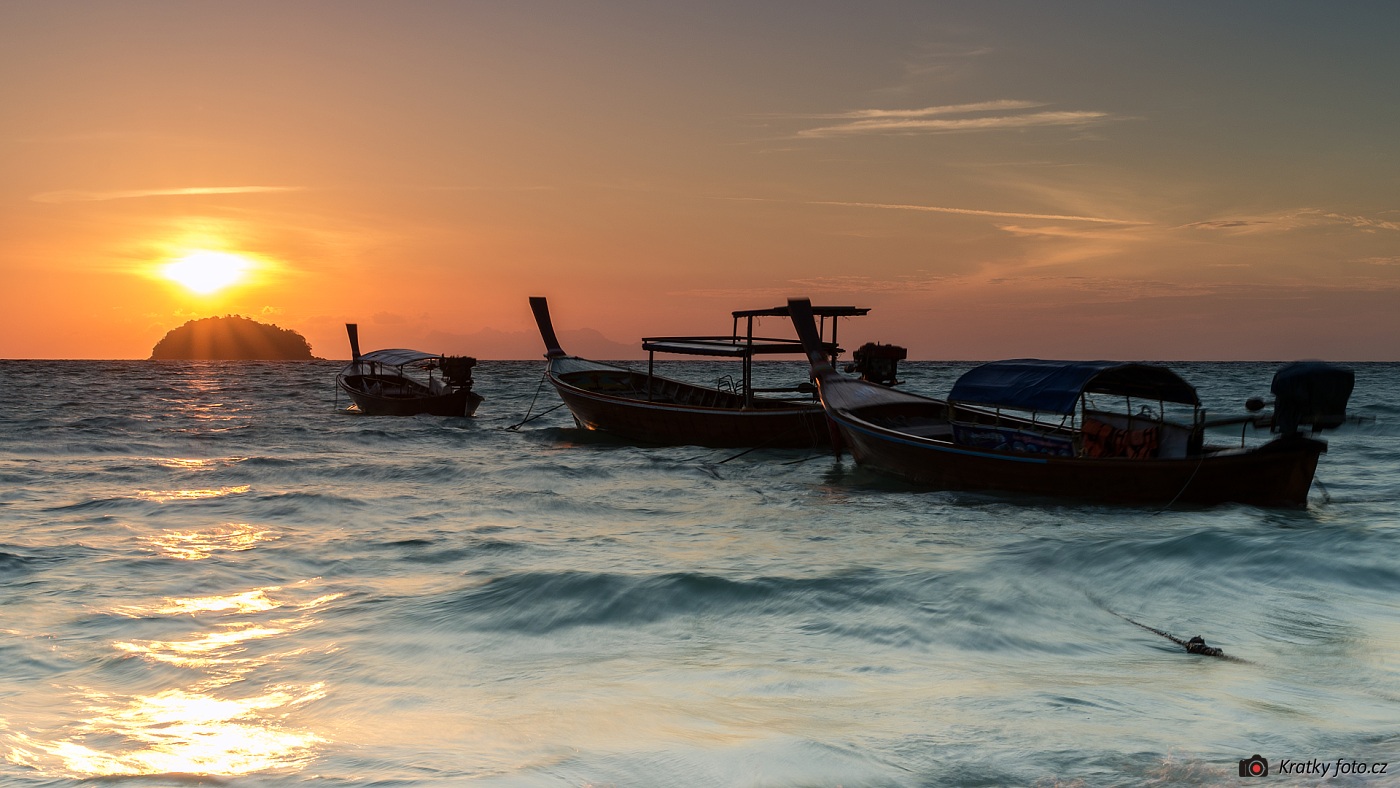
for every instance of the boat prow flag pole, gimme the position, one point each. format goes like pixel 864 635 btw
pixel 800 311
pixel 354 331
pixel 540 307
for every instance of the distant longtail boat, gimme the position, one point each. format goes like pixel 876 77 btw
pixel 402 382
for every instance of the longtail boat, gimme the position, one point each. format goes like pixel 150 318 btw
pixel 1049 428
pixel 649 408
pixel 402 382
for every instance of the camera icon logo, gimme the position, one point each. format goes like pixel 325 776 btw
pixel 1258 766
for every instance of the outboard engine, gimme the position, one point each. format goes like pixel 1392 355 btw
pixel 458 370
pixel 878 363
pixel 1313 393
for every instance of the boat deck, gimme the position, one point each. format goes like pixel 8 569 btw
pixel 631 385
pixel 665 391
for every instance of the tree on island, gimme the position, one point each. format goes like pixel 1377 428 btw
pixel 231 338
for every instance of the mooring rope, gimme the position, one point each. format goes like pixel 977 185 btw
pixel 1326 496
pixel 517 425
pixel 1189 479
pixel 762 445
pixel 531 409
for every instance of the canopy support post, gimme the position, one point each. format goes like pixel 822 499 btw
pixel 748 366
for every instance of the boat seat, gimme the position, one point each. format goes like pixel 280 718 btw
pixel 1102 439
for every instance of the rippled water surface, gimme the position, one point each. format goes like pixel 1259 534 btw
pixel 210 574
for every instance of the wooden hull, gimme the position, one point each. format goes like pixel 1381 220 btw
pixel 616 401
pixel 1278 473
pixel 407 400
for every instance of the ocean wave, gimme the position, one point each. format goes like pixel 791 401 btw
pixel 12 563
pixel 540 602
pixel 416 551
pixel 396 470
pixel 105 504
pixel 277 463
pixel 282 504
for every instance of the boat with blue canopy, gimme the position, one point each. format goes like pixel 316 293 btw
pixel 1096 430
pixel 1058 407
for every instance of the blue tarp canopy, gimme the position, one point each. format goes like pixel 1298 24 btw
pixel 1055 386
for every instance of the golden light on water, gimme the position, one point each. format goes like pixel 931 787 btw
pixel 217 724
pixel 210 649
pixel 198 545
pixel 191 464
pixel 206 272
pixel 181 464
pixel 226 647
pixel 182 732
pixel 255 601
pixel 188 495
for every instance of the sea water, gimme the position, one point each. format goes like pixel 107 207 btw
pixel 211 574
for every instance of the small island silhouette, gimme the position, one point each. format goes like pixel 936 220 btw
pixel 231 338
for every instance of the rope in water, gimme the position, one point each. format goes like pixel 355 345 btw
pixel 1195 645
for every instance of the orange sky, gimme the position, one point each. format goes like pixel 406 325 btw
pixel 1139 181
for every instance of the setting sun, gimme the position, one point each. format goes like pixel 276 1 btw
pixel 207 272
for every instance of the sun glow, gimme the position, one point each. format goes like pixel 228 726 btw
pixel 206 272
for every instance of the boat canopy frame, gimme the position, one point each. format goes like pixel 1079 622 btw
pixel 745 346
pixel 452 371
pixel 397 357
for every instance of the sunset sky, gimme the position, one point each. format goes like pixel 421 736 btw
pixel 995 179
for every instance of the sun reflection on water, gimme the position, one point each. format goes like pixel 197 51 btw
pixel 194 464
pixel 218 723
pixel 198 545
pixel 254 601
pixel 180 732
pixel 190 495
pixel 213 648
pixel 226 646
pixel 182 464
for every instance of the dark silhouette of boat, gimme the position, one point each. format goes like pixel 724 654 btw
pixel 648 408
pixel 402 382
pixel 1043 427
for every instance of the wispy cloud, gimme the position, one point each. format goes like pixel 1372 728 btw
pixel 832 283
pixel 907 283
pixel 1361 222
pixel 1244 225
pixel 928 112
pixel 980 116
pixel 979 212
pixel 128 194
pixel 1297 219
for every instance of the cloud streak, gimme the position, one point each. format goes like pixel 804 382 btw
pixel 1299 219
pixel 979 212
pixel 999 115
pixel 128 194
pixel 929 112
